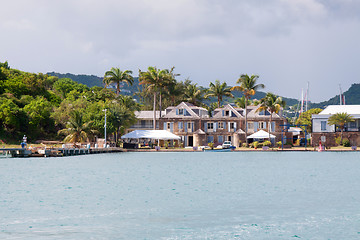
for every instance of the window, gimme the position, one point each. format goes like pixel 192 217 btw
pixel 227 113
pixel 210 125
pixel 181 111
pixel 250 125
pixel 220 139
pixel 353 124
pixel 323 125
pixel 210 139
pixel 232 125
pixel 168 125
pixel 262 125
pixel 221 125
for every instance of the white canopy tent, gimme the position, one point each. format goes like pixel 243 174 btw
pixel 261 134
pixel 151 134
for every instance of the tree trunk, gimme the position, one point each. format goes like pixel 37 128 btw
pixel 160 103
pixel 118 88
pixel 271 129
pixel 341 136
pixel 246 126
pixel 154 111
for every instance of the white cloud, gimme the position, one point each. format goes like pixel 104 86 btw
pixel 285 41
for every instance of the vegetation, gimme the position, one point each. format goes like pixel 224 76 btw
pixel 156 82
pixel 340 119
pixel 115 75
pixel 218 90
pixel 249 87
pixel 77 130
pixel 272 104
pixel 305 118
pixel 40 105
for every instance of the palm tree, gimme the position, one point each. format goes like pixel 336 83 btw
pixel 121 117
pixel 175 92
pixel 155 79
pixel 272 104
pixel 249 87
pixel 77 130
pixel 193 94
pixel 218 90
pixel 240 102
pixel 340 119
pixel 115 75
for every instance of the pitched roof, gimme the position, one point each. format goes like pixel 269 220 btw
pixel 333 109
pixel 190 109
pixel 148 114
pixel 219 112
pixel 252 113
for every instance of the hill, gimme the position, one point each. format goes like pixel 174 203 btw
pixel 352 97
pixel 91 80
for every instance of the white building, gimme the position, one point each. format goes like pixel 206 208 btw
pixel 320 121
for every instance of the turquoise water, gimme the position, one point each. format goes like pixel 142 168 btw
pixel 228 195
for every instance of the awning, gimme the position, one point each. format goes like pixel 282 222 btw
pixel 261 134
pixel 151 134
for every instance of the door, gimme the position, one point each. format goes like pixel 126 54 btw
pixel 191 141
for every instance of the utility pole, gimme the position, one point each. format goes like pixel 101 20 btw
pixel 105 127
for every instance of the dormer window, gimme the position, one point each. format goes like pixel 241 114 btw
pixel 181 111
pixel 227 113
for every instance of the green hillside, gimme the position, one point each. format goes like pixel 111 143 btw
pixel 352 97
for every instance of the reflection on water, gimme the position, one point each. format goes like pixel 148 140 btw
pixel 181 196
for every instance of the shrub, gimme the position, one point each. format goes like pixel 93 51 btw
pixel 240 143
pixel 338 140
pixel 255 144
pixel 267 143
pixel 279 143
pixel 211 145
pixel 244 145
pixel 260 145
pixel 346 142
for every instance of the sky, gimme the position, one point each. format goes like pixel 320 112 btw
pixel 288 43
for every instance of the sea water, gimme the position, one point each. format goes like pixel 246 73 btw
pixel 190 195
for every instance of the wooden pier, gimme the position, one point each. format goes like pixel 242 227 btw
pixel 55 152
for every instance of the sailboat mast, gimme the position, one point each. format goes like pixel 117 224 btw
pixel 307 96
pixel 341 97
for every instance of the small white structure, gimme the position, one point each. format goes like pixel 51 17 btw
pixel 261 135
pixel 151 134
pixel 320 121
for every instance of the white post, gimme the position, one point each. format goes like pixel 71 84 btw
pixel 105 127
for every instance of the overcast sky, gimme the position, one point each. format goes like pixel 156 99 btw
pixel 286 42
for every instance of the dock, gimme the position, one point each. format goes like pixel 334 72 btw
pixel 56 152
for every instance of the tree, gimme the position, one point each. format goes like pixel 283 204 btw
pixel 305 118
pixel 64 86
pixel 39 111
pixel 218 90
pixel 249 87
pixel 340 119
pixel 240 102
pixel 155 79
pixel 77 130
pixel 193 94
pixel 115 75
pixel 272 104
